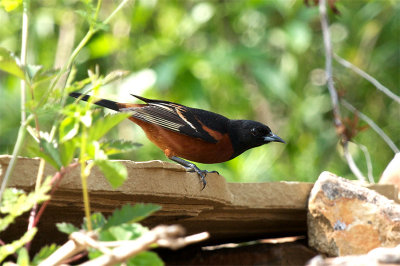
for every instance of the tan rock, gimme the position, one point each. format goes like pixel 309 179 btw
pixel 345 218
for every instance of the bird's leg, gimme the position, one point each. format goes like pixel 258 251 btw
pixel 191 167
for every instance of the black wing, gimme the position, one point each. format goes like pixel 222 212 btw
pixel 179 118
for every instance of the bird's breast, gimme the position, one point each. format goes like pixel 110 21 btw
pixel 186 147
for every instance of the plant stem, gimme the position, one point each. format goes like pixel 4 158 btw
pixel 332 91
pixel 119 7
pixel 24 45
pixel 24 122
pixel 17 148
pixel 84 177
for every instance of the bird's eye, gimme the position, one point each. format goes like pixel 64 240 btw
pixel 254 131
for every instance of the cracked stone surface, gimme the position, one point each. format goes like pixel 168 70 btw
pixel 346 218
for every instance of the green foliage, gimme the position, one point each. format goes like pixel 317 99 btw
pixel 10 5
pixel 23 257
pixel 104 125
pixel 8 64
pixel 15 202
pixel 121 225
pixel 115 172
pixel 144 259
pixel 130 214
pixel 44 252
pixel 66 228
pixel 14 246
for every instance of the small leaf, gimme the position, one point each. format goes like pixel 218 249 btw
pixel 126 231
pixel 67 152
pixel 52 151
pixel 131 214
pixel 119 146
pixel 16 203
pixel 115 172
pixel 11 248
pixel 69 127
pixel 32 70
pixel 145 258
pixel 102 126
pixel 66 228
pixel 10 5
pixel 8 63
pixel 44 253
pixel 23 257
pixel 97 219
pixel 37 152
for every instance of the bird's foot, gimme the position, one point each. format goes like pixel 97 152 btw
pixel 202 173
pixel 191 167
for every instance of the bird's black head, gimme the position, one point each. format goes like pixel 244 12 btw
pixel 247 134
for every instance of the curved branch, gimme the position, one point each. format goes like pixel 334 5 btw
pixel 363 74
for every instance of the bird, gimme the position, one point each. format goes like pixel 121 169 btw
pixel 187 134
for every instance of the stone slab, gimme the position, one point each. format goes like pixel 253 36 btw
pixel 229 211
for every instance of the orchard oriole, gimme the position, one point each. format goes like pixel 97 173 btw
pixel 193 134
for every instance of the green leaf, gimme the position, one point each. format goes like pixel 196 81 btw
pixel 115 172
pixel 69 127
pixel 44 253
pixel 126 231
pixel 23 257
pixel 15 203
pixel 32 70
pixel 145 258
pixel 37 152
pixel 8 63
pixel 52 151
pixel 119 146
pixel 97 219
pixel 66 228
pixel 10 5
pixel 102 126
pixel 67 152
pixel 9 249
pixel 131 214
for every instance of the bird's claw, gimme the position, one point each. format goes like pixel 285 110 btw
pixel 202 174
pixel 191 167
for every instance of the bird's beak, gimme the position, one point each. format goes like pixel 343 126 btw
pixel 273 138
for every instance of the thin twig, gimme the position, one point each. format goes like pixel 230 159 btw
pixel 350 161
pixel 22 128
pixel 332 91
pixel 369 163
pixel 24 45
pixel 371 79
pixel 165 236
pixel 372 124
pixel 18 145
pixel 328 63
pixel 55 181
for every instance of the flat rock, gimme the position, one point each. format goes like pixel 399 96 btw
pixel 345 218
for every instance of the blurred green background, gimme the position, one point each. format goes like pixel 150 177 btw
pixel 260 60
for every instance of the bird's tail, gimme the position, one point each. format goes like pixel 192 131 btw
pixel 101 102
